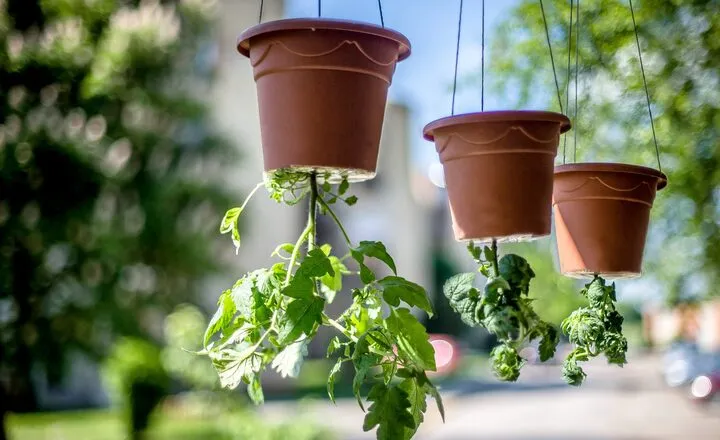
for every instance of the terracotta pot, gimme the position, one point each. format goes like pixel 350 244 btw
pixel 602 211
pixel 499 171
pixel 322 87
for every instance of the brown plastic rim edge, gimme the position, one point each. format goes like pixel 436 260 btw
pixel 243 41
pixel 496 116
pixel 613 167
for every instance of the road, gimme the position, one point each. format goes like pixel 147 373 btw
pixel 627 403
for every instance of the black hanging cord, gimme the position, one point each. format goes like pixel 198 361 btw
pixel 482 60
pixel 552 58
pixel 647 92
pixel 457 57
pixel 382 19
pixel 577 68
pixel 567 83
pixel 262 2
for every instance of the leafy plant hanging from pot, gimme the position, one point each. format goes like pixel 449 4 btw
pixel 322 88
pixel 499 178
pixel 602 212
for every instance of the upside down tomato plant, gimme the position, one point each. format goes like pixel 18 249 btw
pixel 268 318
pixel 503 308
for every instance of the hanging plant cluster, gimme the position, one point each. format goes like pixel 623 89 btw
pixel 322 89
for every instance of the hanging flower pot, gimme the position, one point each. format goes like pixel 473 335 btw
pixel 322 87
pixel 602 211
pixel 499 171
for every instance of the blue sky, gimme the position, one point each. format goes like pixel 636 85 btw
pixel 424 80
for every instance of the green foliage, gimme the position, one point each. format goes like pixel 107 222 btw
pixel 594 330
pixel 504 308
pixel 103 213
pixel 270 316
pixel 682 58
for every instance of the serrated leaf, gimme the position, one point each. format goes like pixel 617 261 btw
pixel 373 249
pixel 222 317
pixel 242 296
pixel 332 378
pixel 255 391
pixel 433 391
pixel 315 265
pixel 288 248
pixel 235 366
pixel 464 298
pixel 362 365
pixel 333 346
pixel 334 281
pixel 411 339
pixel 548 343
pixel 389 412
pixel 418 403
pixel 301 317
pixel 494 288
pixel 289 361
pixel 396 289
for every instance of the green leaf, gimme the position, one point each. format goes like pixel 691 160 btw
pixel 506 362
pixel 288 248
pixel 396 289
pixel 315 265
pixel 334 281
pixel 362 365
pixel 343 187
pixel 255 391
pixel 242 296
pixel 433 391
pixel 494 288
pixel 222 317
pixel 389 412
pixel 583 327
pixel 289 361
pixel 411 339
pixel 301 316
pixel 373 249
pixel 548 343
pixel 229 222
pixel 418 403
pixel 235 366
pixel 333 346
pixel 517 272
pixel 350 201
pixel 332 378
pixel 464 298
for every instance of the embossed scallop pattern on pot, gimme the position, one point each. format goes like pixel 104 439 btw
pixel 602 212
pixel 322 51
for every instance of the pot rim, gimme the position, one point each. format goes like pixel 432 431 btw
pixel 243 41
pixel 613 167
pixel 496 116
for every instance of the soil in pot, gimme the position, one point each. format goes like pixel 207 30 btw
pixel 322 88
pixel 499 171
pixel 602 212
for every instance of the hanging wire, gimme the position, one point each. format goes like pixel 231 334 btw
pixel 647 92
pixel 382 19
pixel 552 58
pixel 577 68
pixel 482 60
pixel 319 8
pixel 567 83
pixel 262 2
pixel 457 57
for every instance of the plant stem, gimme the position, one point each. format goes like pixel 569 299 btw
pixel 312 211
pixel 337 222
pixel 250 196
pixel 295 253
pixel 339 327
pixel 495 264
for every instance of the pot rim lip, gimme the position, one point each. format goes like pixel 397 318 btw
pixel 286 24
pixel 615 167
pixel 496 116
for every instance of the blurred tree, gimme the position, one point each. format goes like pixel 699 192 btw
pixel 107 195
pixel 680 41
